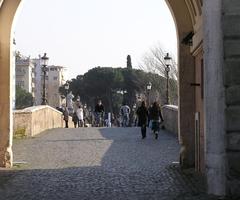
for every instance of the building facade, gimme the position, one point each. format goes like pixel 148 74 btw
pixel 56 78
pixel 25 74
pixel 38 80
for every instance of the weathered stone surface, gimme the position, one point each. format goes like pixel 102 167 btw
pixel 233 141
pixel 234 163
pixel 232 72
pixel 229 25
pixel 5 158
pixel 233 187
pixel 233 95
pixel 233 118
pixel 170 116
pixel 231 7
pixel 37 119
pixel 231 32
pixel 232 48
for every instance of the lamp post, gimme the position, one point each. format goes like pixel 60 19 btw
pixel 167 59
pixel 66 86
pixel 44 63
pixel 149 87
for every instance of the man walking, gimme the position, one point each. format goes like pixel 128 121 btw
pixel 99 110
pixel 125 112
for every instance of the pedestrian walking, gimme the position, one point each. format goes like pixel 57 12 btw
pixel 99 113
pixel 156 118
pixel 66 116
pixel 75 119
pixel 125 112
pixel 79 113
pixel 142 113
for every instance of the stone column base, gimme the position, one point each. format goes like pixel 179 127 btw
pixel 6 157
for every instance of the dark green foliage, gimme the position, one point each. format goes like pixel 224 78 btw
pixel 23 99
pixel 103 83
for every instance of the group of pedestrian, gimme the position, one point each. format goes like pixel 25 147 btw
pixel 146 117
pixel 77 115
pixel 151 117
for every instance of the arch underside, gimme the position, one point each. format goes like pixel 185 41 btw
pixel 7 13
pixel 187 15
pixel 185 12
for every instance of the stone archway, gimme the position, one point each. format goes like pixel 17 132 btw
pixel 215 117
pixel 7 13
pixel 199 22
pixel 186 60
pixel 186 74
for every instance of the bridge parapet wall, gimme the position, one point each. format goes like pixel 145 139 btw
pixel 170 116
pixel 36 119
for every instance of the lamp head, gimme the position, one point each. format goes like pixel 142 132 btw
pixel 44 60
pixel 149 86
pixel 167 59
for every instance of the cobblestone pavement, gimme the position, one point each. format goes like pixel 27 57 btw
pixel 105 163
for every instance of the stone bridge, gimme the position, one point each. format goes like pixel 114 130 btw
pixel 209 86
pixel 99 163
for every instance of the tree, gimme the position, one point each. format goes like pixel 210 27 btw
pixel 105 83
pixel 153 61
pixel 129 62
pixel 23 99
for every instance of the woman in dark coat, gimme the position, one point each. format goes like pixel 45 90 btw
pixel 142 113
pixel 156 117
pixel 65 117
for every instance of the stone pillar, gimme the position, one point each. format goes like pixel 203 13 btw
pixel 7 13
pixel 214 98
pixel 231 31
pixel 186 106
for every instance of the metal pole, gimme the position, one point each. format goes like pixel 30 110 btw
pixel 44 101
pixel 66 98
pixel 167 94
pixel 148 98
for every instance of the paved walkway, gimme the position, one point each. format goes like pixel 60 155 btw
pixel 98 164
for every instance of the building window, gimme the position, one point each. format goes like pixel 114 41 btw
pixel 20 83
pixel 55 78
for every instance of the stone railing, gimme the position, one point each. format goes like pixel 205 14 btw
pixel 170 116
pixel 34 120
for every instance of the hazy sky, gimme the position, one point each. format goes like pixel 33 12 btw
pixel 82 34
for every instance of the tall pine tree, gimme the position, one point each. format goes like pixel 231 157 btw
pixel 129 62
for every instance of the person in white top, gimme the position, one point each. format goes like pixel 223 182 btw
pixel 125 112
pixel 79 113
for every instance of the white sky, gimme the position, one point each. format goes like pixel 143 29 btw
pixel 82 34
